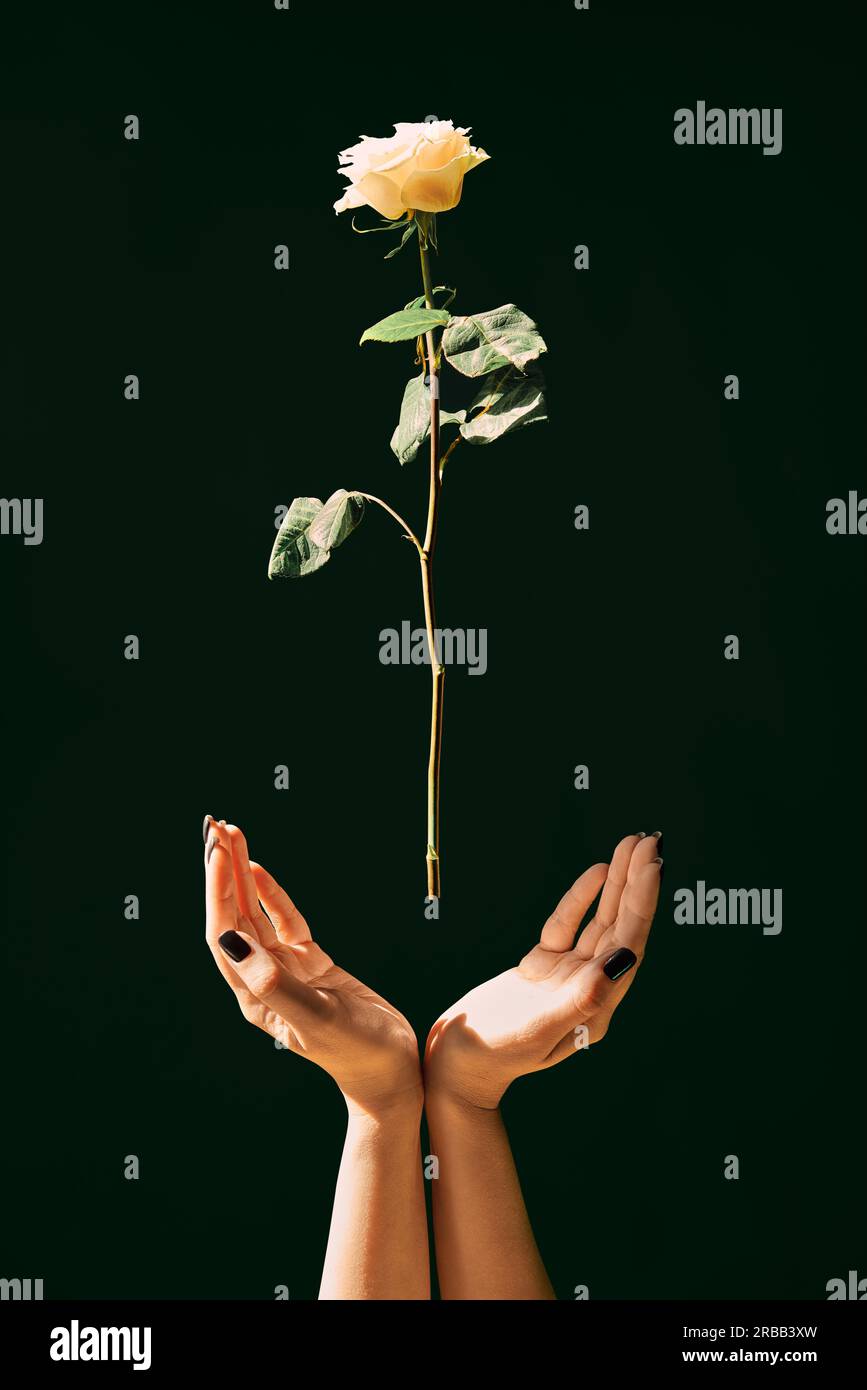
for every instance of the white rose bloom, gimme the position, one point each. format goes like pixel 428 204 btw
pixel 420 168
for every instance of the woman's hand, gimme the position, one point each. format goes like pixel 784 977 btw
pixel 562 995
pixel 287 985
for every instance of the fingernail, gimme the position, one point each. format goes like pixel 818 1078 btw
pixel 206 825
pixel 616 965
pixel 210 845
pixel 659 861
pixel 657 834
pixel 235 946
pixel 642 835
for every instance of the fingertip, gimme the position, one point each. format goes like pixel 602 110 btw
pixel 654 864
pixel 596 873
pixel 625 848
pixel 214 842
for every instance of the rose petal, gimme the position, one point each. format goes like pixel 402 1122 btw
pixel 439 190
pixel 421 166
pixel 436 154
pixel 381 194
pixel 378 155
pixel 351 199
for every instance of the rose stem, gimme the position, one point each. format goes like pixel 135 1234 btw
pixel 426 559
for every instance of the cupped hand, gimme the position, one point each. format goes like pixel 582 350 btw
pixel 562 995
pixel 290 988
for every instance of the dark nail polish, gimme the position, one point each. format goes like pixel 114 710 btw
pixel 210 845
pixel 619 963
pixel 235 946
pixel 657 834
pixel 642 835
pixel 206 825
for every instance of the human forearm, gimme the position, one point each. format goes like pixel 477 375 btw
pixel 485 1247
pixel 378 1243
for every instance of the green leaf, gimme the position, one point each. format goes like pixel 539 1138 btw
pixel 407 323
pixel 411 229
pixel 488 342
pixel 294 553
pixel 508 402
pixel 440 289
pixel 337 519
pixel 414 425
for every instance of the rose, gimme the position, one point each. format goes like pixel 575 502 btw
pixel 420 168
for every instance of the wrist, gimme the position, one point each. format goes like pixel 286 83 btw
pixel 401 1107
pixel 458 1101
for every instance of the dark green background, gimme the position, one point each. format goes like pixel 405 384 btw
pixel 707 518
